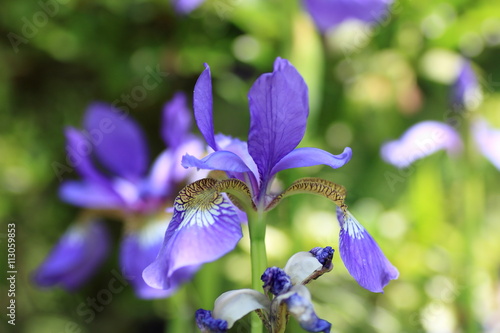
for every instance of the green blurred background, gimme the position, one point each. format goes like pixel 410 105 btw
pixel 437 221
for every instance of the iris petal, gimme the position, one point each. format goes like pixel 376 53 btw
pixel 362 256
pixel 487 140
pixel 186 6
pixel 79 252
pixel 203 106
pixel 219 160
pixel 118 141
pixel 138 249
pixel 298 302
pixel 234 304
pixel 204 227
pixel 176 121
pixel 328 14
pixel 466 92
pixel 79 150
pixel 421 140
pixel 90 195
pixel 278 113
pixel 305 157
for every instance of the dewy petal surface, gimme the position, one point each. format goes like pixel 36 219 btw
pixel 487 140
pixel 176 121
pixel 118 141
pixel 203 106
pixel 305 157
pixel 139 249
pixel 421 140
pixel 279 108
pixel 204 227
pixel 362 256
pixel 328 14
pixel 73 260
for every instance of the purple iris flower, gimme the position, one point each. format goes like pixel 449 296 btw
pixel 421 140
pixel 466 92
pixel 487 140
pixel 279 108
pixel 328 14
pixel 120 186
pixel 205 225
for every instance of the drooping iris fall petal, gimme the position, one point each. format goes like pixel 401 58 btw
pixel 79 252
pixel 362 256
pixel 204 227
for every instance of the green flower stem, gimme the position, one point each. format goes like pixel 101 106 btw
pixel 257 229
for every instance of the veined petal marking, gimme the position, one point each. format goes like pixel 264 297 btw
pixel 319 186
pixel 352 226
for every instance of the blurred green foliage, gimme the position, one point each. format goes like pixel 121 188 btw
pixel 437 221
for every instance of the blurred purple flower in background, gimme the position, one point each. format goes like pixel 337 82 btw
pixel 419 141
pixel 487 141
pixel 328 14
pixel 186 6
pixel 465 92
pixel 120 187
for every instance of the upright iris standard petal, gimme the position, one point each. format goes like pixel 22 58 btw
pixel 362 256
pixel 117 140
pixel 204 227
pixel 176 121
pixel 279 108
pixel 328 14
pixel 487 140
pixel 304 157
pixel 466 92
pixel 419 141
pixel 79 153
pixel 79 252
pixel 203 106
pixel 138 249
